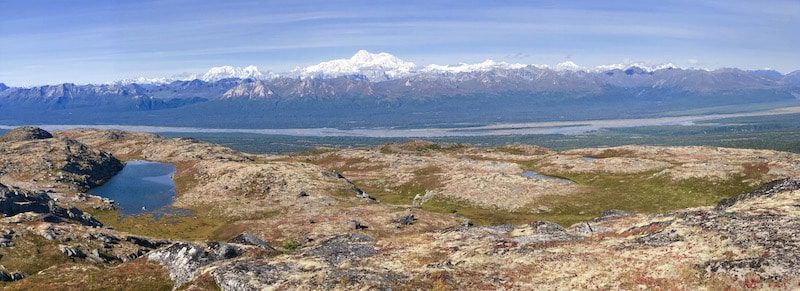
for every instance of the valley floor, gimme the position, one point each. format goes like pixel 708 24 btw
pixel 411 215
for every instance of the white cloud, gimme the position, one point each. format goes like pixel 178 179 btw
pixel 486 65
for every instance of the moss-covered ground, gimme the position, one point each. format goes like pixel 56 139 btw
pixel 135 275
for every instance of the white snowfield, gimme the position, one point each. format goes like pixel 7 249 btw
pixel 219 73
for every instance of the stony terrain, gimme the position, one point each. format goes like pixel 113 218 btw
pixel 33 158
pixel 417 215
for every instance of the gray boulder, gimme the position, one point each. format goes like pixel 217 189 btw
pixel 8 277
pixel 249 239
pixel 407 218
pixel 72 252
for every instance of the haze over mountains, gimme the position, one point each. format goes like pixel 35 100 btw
pixel 383 90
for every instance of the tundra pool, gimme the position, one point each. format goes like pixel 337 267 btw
pixel 141 187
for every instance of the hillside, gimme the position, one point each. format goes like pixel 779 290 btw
pixel 420 214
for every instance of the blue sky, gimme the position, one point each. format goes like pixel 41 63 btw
pixel 48 42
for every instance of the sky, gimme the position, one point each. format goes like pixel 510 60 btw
pixel 57 41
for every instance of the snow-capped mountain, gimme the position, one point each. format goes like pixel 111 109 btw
pixel 376 67
pixel 380 89
pixel 569 66
pixel 225 72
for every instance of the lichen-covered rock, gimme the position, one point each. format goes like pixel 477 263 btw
pixel 252 274
pixel 183 260
pixel 541 232
pixel 145 242
pixel 249 239
pixel 14 201
pixel 343 247
pixel 765 190
pixel 260 274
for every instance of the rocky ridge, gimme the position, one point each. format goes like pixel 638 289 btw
pixel 33 158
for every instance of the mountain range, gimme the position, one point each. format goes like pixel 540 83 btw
pixel 382 90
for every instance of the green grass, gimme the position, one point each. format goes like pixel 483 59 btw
pixel 480 215
pixel 425 179
pixel 200 225
pixel 291 245
pixel 640 193
pixel 31 254
pixel 204 223
pixel 510 150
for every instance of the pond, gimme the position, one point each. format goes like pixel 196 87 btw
pixel 141 187
pixel 535 175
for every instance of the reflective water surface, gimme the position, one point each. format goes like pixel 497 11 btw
pixel 142 186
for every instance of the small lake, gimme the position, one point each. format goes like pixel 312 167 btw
pixel 141 187
pixel 535 175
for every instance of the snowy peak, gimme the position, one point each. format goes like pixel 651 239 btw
pixel 569 66
pixel 218 73
pixel 376 67
pixel 486 65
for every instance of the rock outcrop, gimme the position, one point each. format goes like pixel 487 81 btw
pixel 766 190
pixel 31 157
pixel 16 201
pixel 25 133
pixel 249 239
pixel 343 248
pixel 183 260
